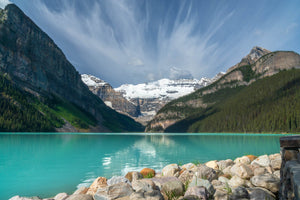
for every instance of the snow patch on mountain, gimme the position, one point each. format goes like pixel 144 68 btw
pixel 164 89
pixel 92 81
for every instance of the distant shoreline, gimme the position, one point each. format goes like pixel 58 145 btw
pixel 139 133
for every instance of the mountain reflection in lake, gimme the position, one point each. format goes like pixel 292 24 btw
pixel 46 164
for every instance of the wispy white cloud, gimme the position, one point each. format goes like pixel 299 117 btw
pixel 112 39
pixel 124 41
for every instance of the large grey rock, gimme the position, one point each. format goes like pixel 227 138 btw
pixel 227 170
pixel 186 176
pixel 223 179
pixel 137 196
pixel 61 196
pixel 241 170
pixel 259 171
pixel 175 188
pixel 100 182
pixel 243 160
pixel 268 181
pixel 189 166
pixel 262 161
pixel 131 176
pixel 221 195
pixel 117 179
pixel 170 170
pixel 254 166
pixel 190 197
pixel 236 181
pixel 197 191
pixel 239 193
pixel 261 194
pixel 202 182
pixel 115 191
pixel 119 190
pixel 81 190
pixel 153 195
pixel 101 196
pixel 170 185
pixel 205 172
pixel 160 181
pixel 80 197
pixel 225 163
pixel 212 164
pixel 144 185
pixel 218 184
pixel 275 161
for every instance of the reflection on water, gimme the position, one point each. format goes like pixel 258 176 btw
pixel 48 164
pixel 161 140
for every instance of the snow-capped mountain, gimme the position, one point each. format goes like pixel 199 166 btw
pixel 164 89
pixel 142 101
pixel 153 96
pixel 92 81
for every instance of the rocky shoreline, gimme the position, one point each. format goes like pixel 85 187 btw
pixel 247 177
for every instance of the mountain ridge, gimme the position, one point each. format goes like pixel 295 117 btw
pixel 268 64
pixel 269 105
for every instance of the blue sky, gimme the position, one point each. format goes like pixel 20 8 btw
pixel 134 41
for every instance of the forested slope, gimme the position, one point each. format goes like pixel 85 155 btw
pixel 271 104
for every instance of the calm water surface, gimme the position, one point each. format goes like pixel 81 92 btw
pixel 46 164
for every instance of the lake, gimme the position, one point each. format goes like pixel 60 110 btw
pixel 46 164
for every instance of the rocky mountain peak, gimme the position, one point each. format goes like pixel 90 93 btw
pixel 12 12
pixel 13 8
pixel 257 52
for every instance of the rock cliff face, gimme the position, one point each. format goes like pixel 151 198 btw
pixel 252 57
pixel 35 63
pixel 259 63
pixel 274 62
pixel 110 97
pixel 34 60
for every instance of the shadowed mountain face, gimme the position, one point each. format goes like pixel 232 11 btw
pixel 208 108
pixel 111 98
pixel 34 63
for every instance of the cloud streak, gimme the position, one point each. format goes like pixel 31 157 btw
pixel 124 41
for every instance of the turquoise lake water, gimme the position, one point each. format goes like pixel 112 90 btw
pixel 46 164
